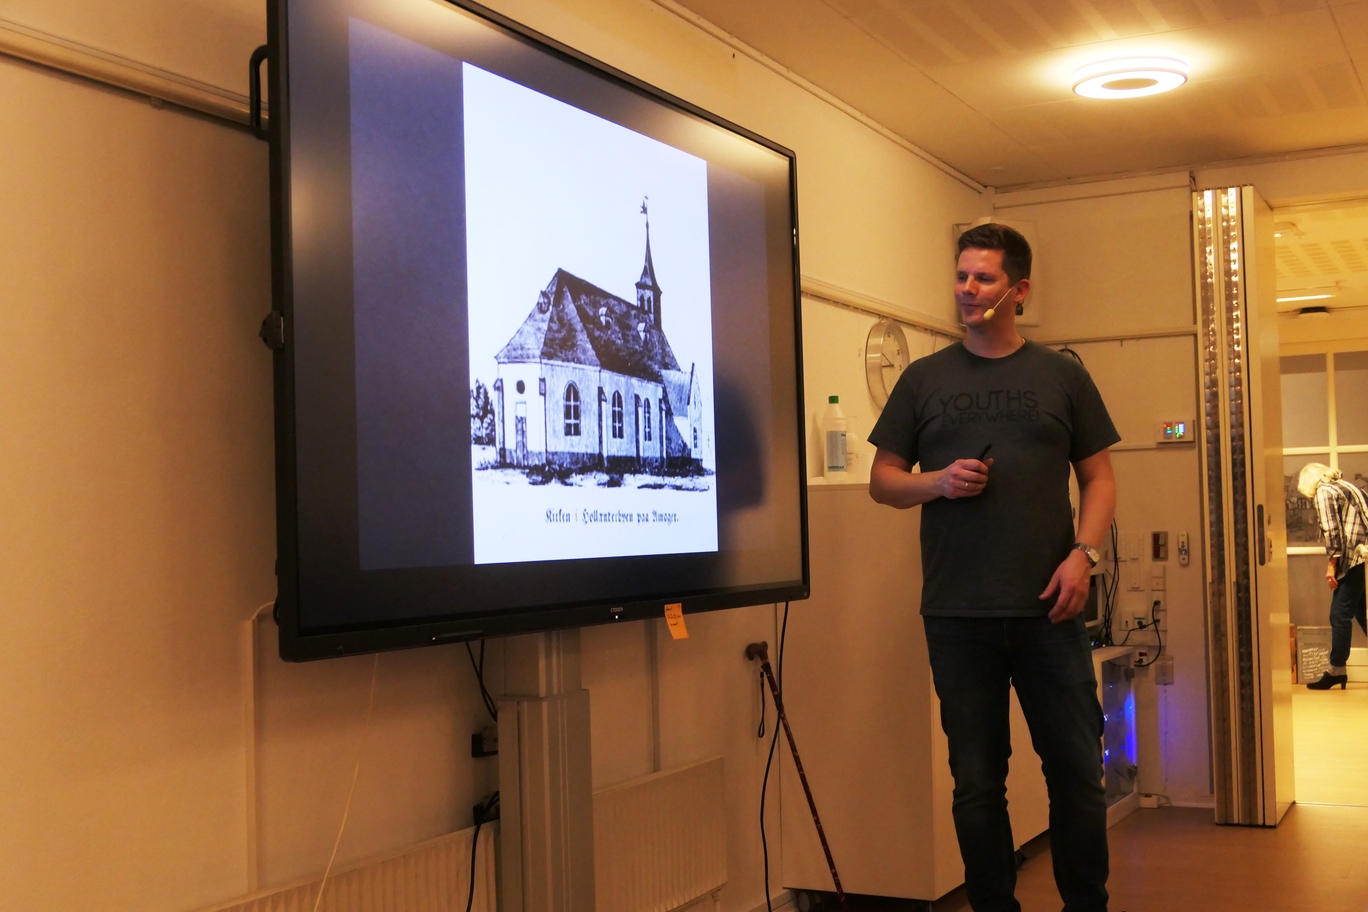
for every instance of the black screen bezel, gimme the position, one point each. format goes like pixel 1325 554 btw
pixel 296 644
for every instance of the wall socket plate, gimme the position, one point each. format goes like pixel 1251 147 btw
pixel 1163 669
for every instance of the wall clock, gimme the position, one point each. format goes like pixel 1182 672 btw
pixel 886 357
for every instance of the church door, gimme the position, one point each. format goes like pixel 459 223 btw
pixel 520 432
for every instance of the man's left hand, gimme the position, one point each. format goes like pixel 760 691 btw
pixel 1070 583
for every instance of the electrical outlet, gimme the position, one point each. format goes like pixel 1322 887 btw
pixel 1158 606
pixel 1139 622
pixel 1163 670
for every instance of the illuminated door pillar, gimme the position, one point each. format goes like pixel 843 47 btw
pixel 1244 507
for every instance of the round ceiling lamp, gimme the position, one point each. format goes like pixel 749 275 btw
pixel 1130 77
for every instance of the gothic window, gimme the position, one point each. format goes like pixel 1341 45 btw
pixel 646 417
pixel 695 446
pixel 572 411
pixel 617 416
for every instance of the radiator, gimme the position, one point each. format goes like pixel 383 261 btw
pixel 432 876
pixel 660 842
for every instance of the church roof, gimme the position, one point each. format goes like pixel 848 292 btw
pixel 579 323
pixel 679 389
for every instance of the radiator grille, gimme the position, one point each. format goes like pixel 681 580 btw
pixel 660 842
pixel 431 876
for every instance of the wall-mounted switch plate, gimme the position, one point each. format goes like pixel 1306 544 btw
pixel 1158 578
pixel 1159 546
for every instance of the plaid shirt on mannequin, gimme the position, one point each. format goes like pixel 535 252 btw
pixel 1343 513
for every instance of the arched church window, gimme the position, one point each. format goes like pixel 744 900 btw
pixel 617 416
pixel 646 419
pixel 572 411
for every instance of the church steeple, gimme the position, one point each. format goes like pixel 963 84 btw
pixel 648 292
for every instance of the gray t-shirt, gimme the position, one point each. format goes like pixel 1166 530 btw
pixel 992 555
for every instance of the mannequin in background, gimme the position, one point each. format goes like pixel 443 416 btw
pixel 1343 513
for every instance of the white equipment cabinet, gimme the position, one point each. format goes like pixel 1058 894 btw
pixel 1115 674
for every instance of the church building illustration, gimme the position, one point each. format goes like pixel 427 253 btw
pixel 589 381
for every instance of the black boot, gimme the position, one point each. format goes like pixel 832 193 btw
pixel 1328 681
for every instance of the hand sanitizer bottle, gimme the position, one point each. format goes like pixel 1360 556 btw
pixel 834 435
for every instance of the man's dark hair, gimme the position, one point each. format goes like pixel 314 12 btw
pixel 1016 252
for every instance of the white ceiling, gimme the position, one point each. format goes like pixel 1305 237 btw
pixel 1323 250
pixel 985 87
pixel 981 84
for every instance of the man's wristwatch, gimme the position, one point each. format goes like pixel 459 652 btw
pixel 1092 553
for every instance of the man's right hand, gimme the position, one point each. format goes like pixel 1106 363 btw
pixel 963 478
pixel 1330 575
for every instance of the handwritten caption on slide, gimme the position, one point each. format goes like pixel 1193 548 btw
pixel 594 517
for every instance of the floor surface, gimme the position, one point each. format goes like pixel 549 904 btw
pixel 1176 860
pixel 1330 737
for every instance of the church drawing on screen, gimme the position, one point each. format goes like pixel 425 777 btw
pixel 589 382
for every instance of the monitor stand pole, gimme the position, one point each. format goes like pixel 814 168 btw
pixel 545 777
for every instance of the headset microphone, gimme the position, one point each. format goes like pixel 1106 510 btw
pixel 988 314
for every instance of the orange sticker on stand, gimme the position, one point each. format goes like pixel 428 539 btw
pixel 674 616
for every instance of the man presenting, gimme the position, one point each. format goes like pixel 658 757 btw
pixel 1004 574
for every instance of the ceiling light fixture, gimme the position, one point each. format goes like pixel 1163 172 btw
pixel 1130 77
pixel 1314 297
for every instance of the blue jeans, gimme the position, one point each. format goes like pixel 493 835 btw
pixel 1346 606
pixel 973 662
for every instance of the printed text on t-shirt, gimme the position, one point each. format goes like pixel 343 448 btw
pixel 989 407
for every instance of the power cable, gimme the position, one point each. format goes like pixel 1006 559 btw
pixel 1110 591
pixel 1152 625
pixel 490 705
pixel 485 811
pixel 774 742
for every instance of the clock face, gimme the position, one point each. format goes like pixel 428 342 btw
pixel 886 357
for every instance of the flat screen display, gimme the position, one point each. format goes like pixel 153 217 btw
pixel 540 362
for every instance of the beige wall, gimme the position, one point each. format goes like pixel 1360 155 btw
pixel 138 484
pixel 139 501
pixel 1114 258
pixel 137 494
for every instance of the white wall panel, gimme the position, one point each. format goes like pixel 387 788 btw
pixel 1111 264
